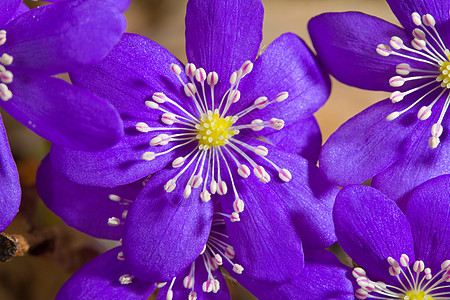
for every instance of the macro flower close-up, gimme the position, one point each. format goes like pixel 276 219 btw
pixel 402 139
pixel 399 255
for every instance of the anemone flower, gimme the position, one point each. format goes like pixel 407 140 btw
pixel 111 213
pixel 196 126
pixel 36 44
pixel 391 140
pixel 400 255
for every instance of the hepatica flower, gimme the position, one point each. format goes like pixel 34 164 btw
pixel 400 255
pixel 195 125
pixel 404 138
pixel 36 44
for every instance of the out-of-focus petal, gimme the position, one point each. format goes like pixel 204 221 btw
pixel 9 182
pixel 62 37
pixel 370 228
pixel 99 279
pixel 221 35
pixel 64 114
pixel 83 207
pixel 428 214
pixel 164 232
pixel 121 5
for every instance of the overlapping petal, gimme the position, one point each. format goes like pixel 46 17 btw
pixel 265 239
pixel 9 182
pixel 99 279
pixel 428 214
pixel 120 164
pixel 85 208
pixel 346 44
pixel 370 228
pixel 287 65
pixel 122 5
pixel 164 232
pixel 64 36
pixel 129 75
pixel 221 35
pixel 64 114
pixel 367 144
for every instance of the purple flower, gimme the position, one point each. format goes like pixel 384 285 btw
pixel 111 213
pixel 36 44
pixel 398 254
pixel 201 125
pixel 401 141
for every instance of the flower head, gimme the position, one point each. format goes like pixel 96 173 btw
pixel 400 256
pixel 403 138
pixel 196 127
pixel 34 45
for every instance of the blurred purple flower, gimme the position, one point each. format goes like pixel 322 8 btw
pixel 209 123
pixel 391 141
pixel 398 254
pixel 36 44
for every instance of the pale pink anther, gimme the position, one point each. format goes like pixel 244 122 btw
pixel 361 294
pixel 207 286
pixel 188 282
pixel 190 70
pixel 238 268
pixel 200 75
pixel 6 76
pixel 396 42
pixel 358 272
pixel 178 162
pixel 170 185
pixel 229 252
pixel 396 81
pixel 192 296
pixel 235 96
pixel 187 191
pixel 212 78
pixel 392 262
pixel 362 281
pixel 142 127
pixel 149 155
pixel 222 188
pixel 126 279
pixel 259 171
pixel 427 272
pixel 168 118
pixel 424 113
pixel 418 44
pixel 152 104
pixel 246 67
pixel 436 130
pixel 213 264
pixel 261 102
pixel 2 37
pixel 235 217
pixel 205 196
pixel 277 124
pixel 218 259
pixel 384 50
pixel 159 97
pixel 190 89
pixel 155 141
pixel 244 171
pixel 446 265
pixel 233 77
pixel 265 178
pixel 419 34
pixel 394 271
pixel 197 181
pixel 404 260
pixel 396 97
pixel 175 69
pixel 416 19
pixel 238 205
pixel 6 59
pixel 428 20
pixel 281 96
pixel 403 69
pixel 120 256
pixel 213 186
pixel 261 150
pixel 169 294
pixel 160 284
pixel 285 175
pixel 256 125
pixel 216 285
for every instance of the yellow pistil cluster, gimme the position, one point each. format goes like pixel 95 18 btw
pixel 417 295
pixel 213 130
pixel 444 77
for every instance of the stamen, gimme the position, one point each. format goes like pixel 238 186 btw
pixel 126 279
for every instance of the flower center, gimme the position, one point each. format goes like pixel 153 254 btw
pixel 432 58
pixel 214 130
pixel 211 138
pixel 415 284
